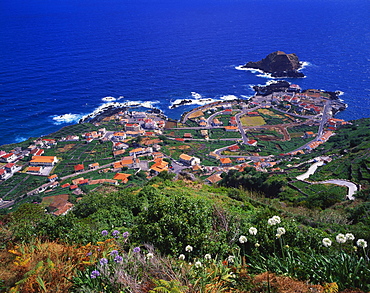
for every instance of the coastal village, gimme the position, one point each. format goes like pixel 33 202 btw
pixel 129 146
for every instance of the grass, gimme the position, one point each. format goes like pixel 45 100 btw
pixel 252 121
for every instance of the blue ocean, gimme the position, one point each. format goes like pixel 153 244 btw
pixel 63 59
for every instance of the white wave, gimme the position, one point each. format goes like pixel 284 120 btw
pixel 66 118
pixel 228 98
pixel 196 95
pixel 121 97
pixel 340 93
pixel 109 105
pixel 108 99
pixel 304 64
pixel 253 70
pixel 246 97
pixel 19 139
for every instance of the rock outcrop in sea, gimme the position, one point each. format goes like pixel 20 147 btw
pixel 278 64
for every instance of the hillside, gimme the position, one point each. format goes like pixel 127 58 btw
pixel 242 227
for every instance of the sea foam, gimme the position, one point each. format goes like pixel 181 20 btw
pixel 66 118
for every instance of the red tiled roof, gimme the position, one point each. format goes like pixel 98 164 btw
pixel 79 167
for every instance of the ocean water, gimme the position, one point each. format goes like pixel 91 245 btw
pixel 64 57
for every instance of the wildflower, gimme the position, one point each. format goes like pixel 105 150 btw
pixel 278 235
pixel 355 248
pixel 231 259
pixel 94 274
pixel 114 252
pixel 257 245
pixel 361 243
pixel 198 264
pixel 189 248
pixel 89 253
pixel 252 231
pixel 341 238
pixel 281 231
pixel 274 220
pixel 243 239
pixel 115 233
pixel 349 236
pixel 149 255
pixel 125 234
pixel 326 242
pixel 136 249
pixel 118 258
pixel 287 246
pixel 181 256
pixel 207 256
pixel 103 261
pixel 104 232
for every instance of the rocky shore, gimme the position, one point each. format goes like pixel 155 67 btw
pixel 279 65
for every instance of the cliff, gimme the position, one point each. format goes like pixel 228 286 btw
pixel 279 64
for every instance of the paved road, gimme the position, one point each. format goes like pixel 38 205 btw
pixel 352 188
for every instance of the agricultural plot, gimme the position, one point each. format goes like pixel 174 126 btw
pixel 273 117
pixel 217 133
pixel 252 121
pixel 264 134
pixel 72 154
pixel 19 184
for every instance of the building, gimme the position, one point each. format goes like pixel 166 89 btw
pixel 233 148
pixel 93 166
pixel 132 127
pixel 53 177
pixel 43 161
pixel 231 128
pixel 225 162
pixel 79 168
pixel 8 158
pixel 188 160
pixel 214 178
pixel 121 176
pixel 252 142
pixel 159 166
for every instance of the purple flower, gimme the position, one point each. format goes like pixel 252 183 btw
pixel 89 253
pixel 103 261
pixel 125 235
pixel 115 233
pixel 104 232
pixel 94 274
pixel 114 252
pixel 118 258
pixel 136 249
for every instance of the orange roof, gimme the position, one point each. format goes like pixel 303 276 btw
pixel 79 167
pixel 94 165
pixel 121 176
pixel 136 150
pixel 214 178
pixel 231 127
pixel 53 176
pixel 67 206
pixel 43 159
pixel 34 169
pixel 225 160
pixel 185 157
pixel 127 161
pixel 159 165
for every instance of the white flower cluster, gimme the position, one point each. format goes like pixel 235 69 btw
pixel 189 248
pixel 252 231
pixel 280 231
pixel 243 239
pixel 274 220
pixel 341 238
